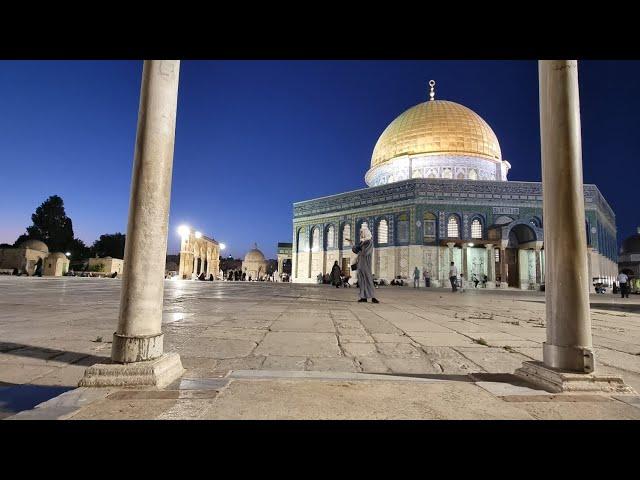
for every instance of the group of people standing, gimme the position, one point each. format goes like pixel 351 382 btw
pixel 416 278
pixel 457 280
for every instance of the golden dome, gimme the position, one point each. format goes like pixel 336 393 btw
pixel 437 127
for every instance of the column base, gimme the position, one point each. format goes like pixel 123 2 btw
pixel 159 372
pixel 558 381
pixel 141 348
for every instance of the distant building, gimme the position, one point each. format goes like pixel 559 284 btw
pixel 629 256
pixel 254 264
pixel 26 256
pixel 109 265
pixel 438 193
pixel 56 265
pixel 284 257
pixel 198 254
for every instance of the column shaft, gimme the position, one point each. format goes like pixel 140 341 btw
pixel 568 345
pixel 139 335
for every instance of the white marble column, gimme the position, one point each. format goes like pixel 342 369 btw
pixel 139 335
pixel 568 345
pixel 567 354
pixel 464 269
pixel 137 349
pixel 491 263
pixel 450 245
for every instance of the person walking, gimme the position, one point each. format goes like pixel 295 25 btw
pixel 474 279
pixel 334 278
pixel 427 278
pixel 365 278
pixel 416 278
pixel 623 280
pixel 453 277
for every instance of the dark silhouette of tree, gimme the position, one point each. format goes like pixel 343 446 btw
pixel 109 245
pixel 78 250
pixel 51 225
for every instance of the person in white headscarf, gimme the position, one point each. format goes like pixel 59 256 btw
pixel 365 277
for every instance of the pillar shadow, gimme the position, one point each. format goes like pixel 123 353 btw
pixel 52 354
pixel 617 307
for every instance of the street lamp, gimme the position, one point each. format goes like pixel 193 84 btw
pixel 184 231
pixel 222 246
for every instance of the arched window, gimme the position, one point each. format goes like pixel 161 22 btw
pixel 473 174
pixel 429 221
pixel 346 236
pixel 330 235
pixel 447 173
pixel 383 232
pixel 403 228
pixel 301 241
pixel 460 176
pixel 476 229
pixel 315 240
pixel 453 227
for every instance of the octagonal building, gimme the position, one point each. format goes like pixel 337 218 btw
pixel 438 192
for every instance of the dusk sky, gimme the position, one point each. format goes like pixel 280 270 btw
pixel 253 137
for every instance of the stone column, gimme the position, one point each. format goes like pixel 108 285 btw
pixel 491 263
pixel 503 267
pixel 568 345
pixel 567 353
pixel 450 245
pixel 538 266
pixel 138 340
pixel 463 269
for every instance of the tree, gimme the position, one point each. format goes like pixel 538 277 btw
pixel 50 225
pixel 109 245
pixel 78 250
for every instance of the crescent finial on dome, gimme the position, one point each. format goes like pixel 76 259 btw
pixel 432 93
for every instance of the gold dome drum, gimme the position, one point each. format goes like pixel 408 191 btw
pixel 437 127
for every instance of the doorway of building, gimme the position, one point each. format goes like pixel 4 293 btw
pixel 521 236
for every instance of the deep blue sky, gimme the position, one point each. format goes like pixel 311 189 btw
pixel 253 137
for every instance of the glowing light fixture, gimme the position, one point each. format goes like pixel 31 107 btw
pixel 198 235
pixel 470 244
pixel 183 230
pixel 222 246
pixel 68 254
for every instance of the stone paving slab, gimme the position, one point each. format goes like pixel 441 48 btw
pixel 333 399
pixel 216 327
pixel 299 344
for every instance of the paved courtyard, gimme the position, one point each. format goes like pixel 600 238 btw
pixel 264 350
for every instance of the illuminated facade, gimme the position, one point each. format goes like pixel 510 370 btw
pixel 198 254
pixel 438 192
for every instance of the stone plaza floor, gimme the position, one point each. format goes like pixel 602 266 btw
pixel 284 351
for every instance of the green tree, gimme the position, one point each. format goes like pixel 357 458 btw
pixel 51 225
pixel 109 245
